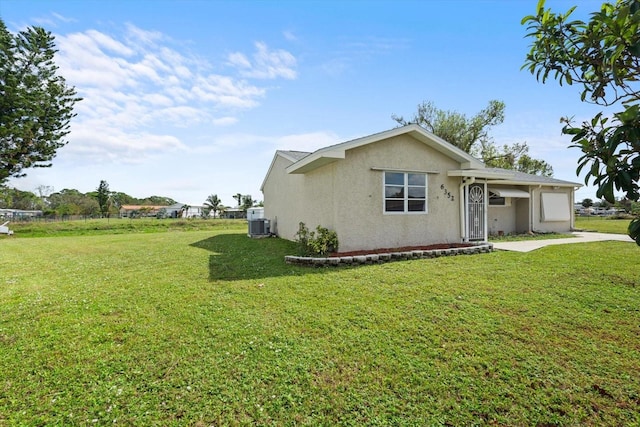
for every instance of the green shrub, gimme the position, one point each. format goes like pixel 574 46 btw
pixel 302 239
pixel 321 242
pixel 324 242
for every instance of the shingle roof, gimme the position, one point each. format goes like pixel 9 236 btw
pixel 297 155
pixel 532 179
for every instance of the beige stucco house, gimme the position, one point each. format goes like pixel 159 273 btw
pixel 408 187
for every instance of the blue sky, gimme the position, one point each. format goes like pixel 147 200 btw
pixel 190 98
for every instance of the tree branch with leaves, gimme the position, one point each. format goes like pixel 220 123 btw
pixel 602 55
pixel 247 202
pixel 472 135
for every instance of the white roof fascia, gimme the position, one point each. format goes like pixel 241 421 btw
pixel 315 160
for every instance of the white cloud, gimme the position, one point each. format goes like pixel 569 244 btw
pixel 335 67
pixel 136 34
pixel 139 91
pixel 84 65
pixel 116 145
pixel 158 100
pixel 226 91
pixel 267 145
pixel 271 64
pixel 62 17
pixel 102 40
pixel 371 46
pixel 267 63
pixel 290 35
pixel 181 116
pixel 239 60
pixel 356 52
pixel 225 121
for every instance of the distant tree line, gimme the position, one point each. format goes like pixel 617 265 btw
pixel 102 202
pixel 73 202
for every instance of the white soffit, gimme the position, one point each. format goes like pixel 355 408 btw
pixel 509 192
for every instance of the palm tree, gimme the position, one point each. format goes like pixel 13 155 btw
pixel 238 197
pixel 213 203
pixel 247 202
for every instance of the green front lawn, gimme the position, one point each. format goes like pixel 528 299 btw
pixel 43 228
pixel 213 328
pixel 602 224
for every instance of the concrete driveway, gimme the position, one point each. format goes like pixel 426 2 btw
pixel 579 237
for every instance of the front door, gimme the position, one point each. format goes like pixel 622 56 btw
pixel 475 212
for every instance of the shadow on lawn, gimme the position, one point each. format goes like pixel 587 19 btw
pixel 238 257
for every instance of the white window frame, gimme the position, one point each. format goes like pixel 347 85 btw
pixel 406 198
pixel 492 196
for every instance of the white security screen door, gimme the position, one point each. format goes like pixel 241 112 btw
pixel 475 212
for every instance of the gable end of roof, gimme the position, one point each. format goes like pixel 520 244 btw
pixel 336 152
pixel 292 156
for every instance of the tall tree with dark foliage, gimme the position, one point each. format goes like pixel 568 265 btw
pixel 36 104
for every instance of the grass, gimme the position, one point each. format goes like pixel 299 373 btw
pixel 213 328
pixel 602 224
pixel 535 236
pixel 118 226
pixel 590 223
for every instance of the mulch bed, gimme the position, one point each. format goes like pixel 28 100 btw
pixel 403 249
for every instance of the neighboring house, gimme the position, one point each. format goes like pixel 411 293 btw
pixel 408 187
pixel 194 211
pixel 234 213
pixel 174 211
pixel 20 214
pixel 140 210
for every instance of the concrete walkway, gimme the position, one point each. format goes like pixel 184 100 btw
pixel 580 237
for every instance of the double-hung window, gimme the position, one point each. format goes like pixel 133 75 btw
pixel 405 192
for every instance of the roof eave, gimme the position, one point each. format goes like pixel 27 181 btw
pixel 544 184
pixel 315 161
